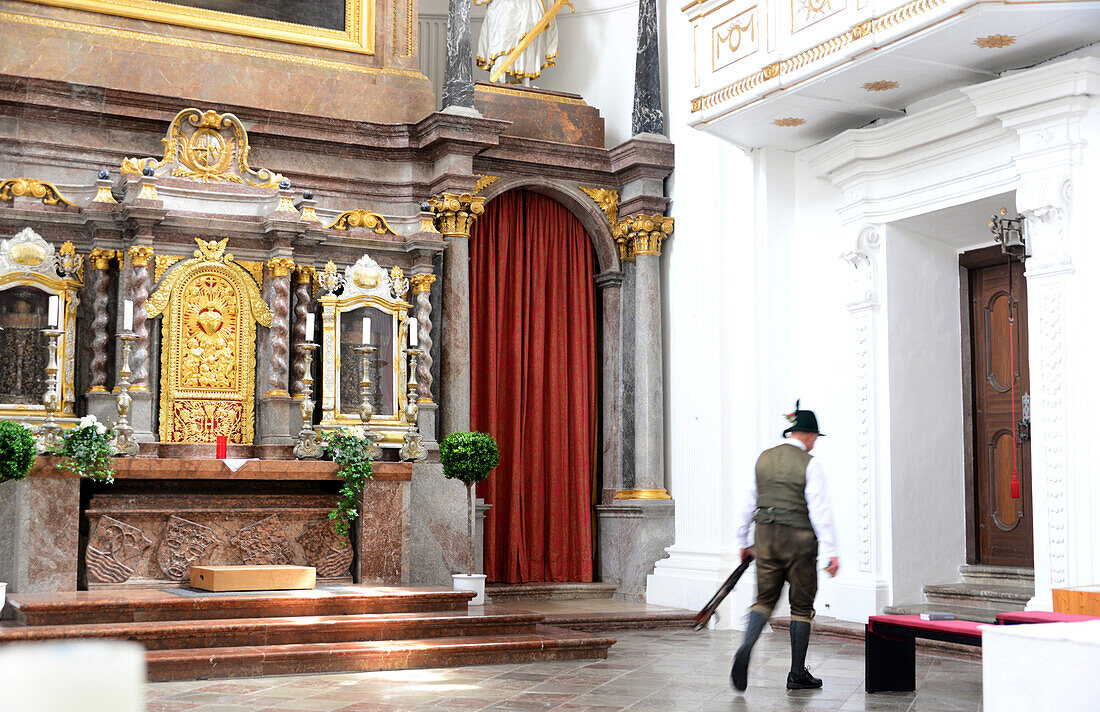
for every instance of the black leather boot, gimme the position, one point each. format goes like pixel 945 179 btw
pixel 739 675
pixel 799 678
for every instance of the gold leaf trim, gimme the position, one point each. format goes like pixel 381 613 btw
pixel 905 13
pixel 133 36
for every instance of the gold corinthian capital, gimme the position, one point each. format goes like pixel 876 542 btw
pixel 101 258
pixel 644 233
pixel 140 256
pixel 280 266
pixel 422 283
pixel 455 214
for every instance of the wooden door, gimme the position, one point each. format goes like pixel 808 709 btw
pixel 998 328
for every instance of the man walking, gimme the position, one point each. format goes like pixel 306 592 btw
pixel 789 502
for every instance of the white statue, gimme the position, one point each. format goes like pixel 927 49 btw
pixel 507 24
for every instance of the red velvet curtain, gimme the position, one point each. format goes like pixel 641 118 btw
pixel 533 354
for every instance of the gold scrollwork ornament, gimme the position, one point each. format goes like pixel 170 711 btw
pixel 31 188
pixel 205 146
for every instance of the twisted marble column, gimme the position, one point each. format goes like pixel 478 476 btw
pixel 279 268
pixel 422 288
pixel 101 262
pixel 141 283
pixel 303 304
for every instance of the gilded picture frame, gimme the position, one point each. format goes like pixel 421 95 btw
pixel 356 36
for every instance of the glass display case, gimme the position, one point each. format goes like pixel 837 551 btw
pixel 365 307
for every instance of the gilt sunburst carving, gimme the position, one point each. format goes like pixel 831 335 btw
pixel 789 122
pixel 995 41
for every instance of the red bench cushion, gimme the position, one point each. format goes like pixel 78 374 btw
pixel 1016 617
pixel 964 628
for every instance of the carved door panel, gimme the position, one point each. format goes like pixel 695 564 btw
pixel 1002 446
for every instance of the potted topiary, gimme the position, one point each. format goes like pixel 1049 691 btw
pixel 17 451
pixel 468 458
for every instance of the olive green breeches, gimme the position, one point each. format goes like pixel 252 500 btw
pixel 786 554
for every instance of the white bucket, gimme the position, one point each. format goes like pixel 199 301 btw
pixel 3 597
pixel 471 582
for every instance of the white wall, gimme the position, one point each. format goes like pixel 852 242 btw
pixel 926 427
pixel 596 52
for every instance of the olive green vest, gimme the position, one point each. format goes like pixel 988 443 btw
pixel 781 487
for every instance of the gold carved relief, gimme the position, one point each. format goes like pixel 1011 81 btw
pixel 484 182
pixel 161 263
pixel 734 39
pixel 205 146
pixel 31 188
pixel 254 268
pixel 208 358
pixel 364 219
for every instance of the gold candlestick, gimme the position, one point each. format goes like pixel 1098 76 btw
pixel 310 445
pixel 366 410
pixel 123 441
pixel 413 449
pixel 49 432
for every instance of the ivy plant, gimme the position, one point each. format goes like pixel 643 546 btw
pixel 17 450
pixel 468 458
pixel 86 450
pixel 350 449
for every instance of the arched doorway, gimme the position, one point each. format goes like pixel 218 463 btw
pixel 534 385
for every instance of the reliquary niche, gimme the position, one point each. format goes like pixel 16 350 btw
pixel 208 354
pixel 365 307
pixel 31 272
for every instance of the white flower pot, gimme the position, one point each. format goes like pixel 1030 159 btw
pixel 471 582
pixel 3 596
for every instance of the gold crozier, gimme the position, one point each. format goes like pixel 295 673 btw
pixel 208 347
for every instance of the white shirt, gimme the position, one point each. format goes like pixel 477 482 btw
pixel 817 497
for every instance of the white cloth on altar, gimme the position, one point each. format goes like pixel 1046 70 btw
pixel 506 22
pixel 236 463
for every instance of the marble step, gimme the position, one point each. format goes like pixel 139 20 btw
pixel 963 613
pixel 153 605
pixel 1011 575
pixel 998 597
pixel 222 633
pixel 590 621
pixel 548 591
pixel 546 643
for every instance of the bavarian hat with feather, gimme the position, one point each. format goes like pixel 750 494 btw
pixel 802 421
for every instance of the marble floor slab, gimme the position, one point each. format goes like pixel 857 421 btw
pixel 646 671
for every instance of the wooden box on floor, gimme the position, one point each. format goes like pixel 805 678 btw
pixel 253 578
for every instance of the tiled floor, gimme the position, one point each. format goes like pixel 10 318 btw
pixel 647 671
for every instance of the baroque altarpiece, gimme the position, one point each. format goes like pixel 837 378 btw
pixel 325 191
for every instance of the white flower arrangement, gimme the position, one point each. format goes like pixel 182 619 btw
pixel 355 431
pixel 90 421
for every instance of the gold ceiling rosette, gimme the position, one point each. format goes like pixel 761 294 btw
pixel 205 146
pixel 211 306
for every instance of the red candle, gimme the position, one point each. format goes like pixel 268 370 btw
pixel 223 445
